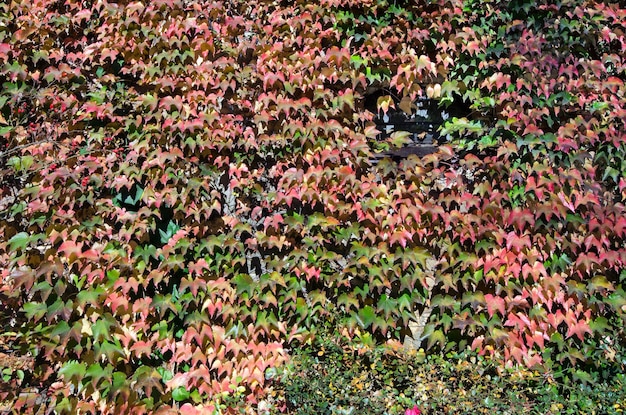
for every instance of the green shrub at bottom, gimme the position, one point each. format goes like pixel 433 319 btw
pixel 333 375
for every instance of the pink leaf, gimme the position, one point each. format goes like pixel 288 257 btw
pixel 578 328
pixel 494 304
pixel 413 411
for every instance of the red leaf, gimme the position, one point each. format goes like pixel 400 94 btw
pixel 521 218
pixel 141 348
pixel 90 254
pixel 494 303
pixel 517 320
pixel 532 129
pixel 578 328
pixel 517 242
pixel 71 250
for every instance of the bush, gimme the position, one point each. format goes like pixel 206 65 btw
pixel 333 375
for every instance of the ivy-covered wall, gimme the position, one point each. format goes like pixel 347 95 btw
pixel 187 189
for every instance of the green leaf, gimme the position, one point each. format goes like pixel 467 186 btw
pixel 583 376
pixel 387 305
pixel 599 324
pixel 73 370
pixel 557 338
pixel 127 197
pixel 358 61
pixel 89 296
pixel 133 199
pixel 598 283
pixel 196 397
pixel 63 406
pixel 599 106
pixel 462 125
pixel 444 301
pixel 60 329
pixel 166 375
pixel 109 349
pixel 348 301
pixel 19 241
pixel 35 311
pixel 94 372
pixel 436 337
pixel 22 163
pixel 366 316
pixel 101 328
pixel 166 235
pixel 119 379
pixel 244 284
pixel 180 394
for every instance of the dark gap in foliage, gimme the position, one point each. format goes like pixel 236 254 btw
pixel 164 227
pixel 129 198
pixel 427 117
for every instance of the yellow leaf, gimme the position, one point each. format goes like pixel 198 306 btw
pixel 86 327
pixel 384 102
pixel 400 138
pixel 433 91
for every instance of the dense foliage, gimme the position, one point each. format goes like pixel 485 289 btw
pixel 187 190
pixel 335 376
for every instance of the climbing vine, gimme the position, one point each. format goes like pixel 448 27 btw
pixel 187 190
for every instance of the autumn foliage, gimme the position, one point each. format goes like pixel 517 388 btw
pixel 187 189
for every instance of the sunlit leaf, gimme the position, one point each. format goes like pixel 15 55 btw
pixel 19 241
